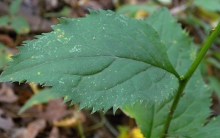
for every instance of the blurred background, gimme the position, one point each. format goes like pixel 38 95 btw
pixel 49 117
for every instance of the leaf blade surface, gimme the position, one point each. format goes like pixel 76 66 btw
pixel 100 61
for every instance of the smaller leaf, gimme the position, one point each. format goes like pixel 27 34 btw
pixel 211 5
pixel 3 56
pixel 40 98
pixel 65 12
pixel 4 20
pixel 211 130
pixel 214 84
pixel 20 25
pixel 15 7
pixel 214 62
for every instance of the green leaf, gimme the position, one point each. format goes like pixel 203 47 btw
pixel 193 109
pixel 180 48
pixel 15 7
pixel 4 20
pixel 211 5
pixel 214 83
pixel 20 25
pixel 42 97
pixel 211 130
pixel 65 12
pixel 213 62
pixel 97 60
pixel 191 114
pixel 3 56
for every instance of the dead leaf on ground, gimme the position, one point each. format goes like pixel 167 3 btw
pixel 102 134
pixel 3 135
pixel 55 110
pixel 7 94
pixel 18 133
pixel 34 128
pixel 7 41
pixel 73 121
pixel 6 123
pixel 54 133
pixel 51 4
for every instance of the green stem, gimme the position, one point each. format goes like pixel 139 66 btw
pixel 182 85
pixel 184 80
pixel 207 44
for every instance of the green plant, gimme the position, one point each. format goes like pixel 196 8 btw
pixel 143 67
pixel 4 56
pixel 212 6
pixel 14 20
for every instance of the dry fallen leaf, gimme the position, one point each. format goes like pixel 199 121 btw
pixel 73 121
pixel 69 122
pixel 6 123
pixel 54 133
pixel 7 94
pixel 7 41
pixel 55 110
pixel 34 128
